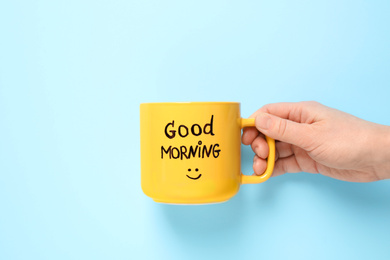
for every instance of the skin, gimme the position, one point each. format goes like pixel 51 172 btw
pixel 315 138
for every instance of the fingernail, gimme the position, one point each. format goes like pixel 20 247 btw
pixel 263 121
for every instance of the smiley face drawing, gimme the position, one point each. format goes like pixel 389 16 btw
pixel 194 178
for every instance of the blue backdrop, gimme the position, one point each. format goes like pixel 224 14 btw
pixel 72 76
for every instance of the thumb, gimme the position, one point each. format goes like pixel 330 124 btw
pixel 284 130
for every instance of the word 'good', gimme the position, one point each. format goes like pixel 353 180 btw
pixel 183 131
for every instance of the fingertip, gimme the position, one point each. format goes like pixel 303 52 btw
pixel 248 135
pixel 263 121
pixel 259 165
pixel 260 147
pixel 244 137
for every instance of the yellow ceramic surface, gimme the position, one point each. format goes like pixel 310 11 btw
pixel 191 152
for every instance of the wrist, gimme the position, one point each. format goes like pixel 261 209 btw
pixel 382 153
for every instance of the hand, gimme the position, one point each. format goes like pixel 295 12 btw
pixel 317 139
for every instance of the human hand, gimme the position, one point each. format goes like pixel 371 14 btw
pixel 314 138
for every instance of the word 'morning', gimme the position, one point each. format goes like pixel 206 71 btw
pixel 183 130
pixel 197 151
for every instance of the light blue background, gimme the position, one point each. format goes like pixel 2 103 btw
pixel 72 76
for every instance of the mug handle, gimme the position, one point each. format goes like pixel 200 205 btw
pixel 246 179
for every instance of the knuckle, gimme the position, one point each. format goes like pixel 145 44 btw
pixel 311 103
pixel 310 140
pixel 282 128
pixel 254 145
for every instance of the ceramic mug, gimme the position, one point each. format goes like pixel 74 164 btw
pixel 191 152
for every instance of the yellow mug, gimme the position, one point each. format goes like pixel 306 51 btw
pixel 191 152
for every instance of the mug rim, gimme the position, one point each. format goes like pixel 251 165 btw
pixel 193 103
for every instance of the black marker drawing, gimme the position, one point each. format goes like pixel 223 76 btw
pixel 192 178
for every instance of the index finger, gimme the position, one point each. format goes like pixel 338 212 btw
pixel 301 112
